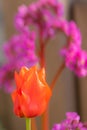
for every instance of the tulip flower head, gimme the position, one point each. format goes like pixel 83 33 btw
pixel 32 94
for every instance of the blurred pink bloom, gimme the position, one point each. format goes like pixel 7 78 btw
pixel 41 15
pixel 62 25
pixel 19 51
pixel 75 59
pixel 74 33
pixel 72 122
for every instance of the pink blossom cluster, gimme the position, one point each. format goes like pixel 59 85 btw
pixel 19 51
pixel 74 56
pixel 21 46
pixel 72 122
pixel 41 15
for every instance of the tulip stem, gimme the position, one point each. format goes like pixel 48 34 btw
pixel 28 124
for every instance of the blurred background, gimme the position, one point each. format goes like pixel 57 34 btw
pixel 70 93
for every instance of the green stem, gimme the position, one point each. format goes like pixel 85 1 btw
pixel 28 124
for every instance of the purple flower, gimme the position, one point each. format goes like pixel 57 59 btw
pixel 62 25
pixel 19 51
pixel 75 59
pixel 74 34
pixel 72 116
pixel 72 122
pixel 57 127
pixel 81 64
pixel 41 15
pixel 69 55
pixel 70 29
pixel 21 48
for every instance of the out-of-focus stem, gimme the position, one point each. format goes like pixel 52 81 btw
pixel 57 75
pixel 45 120
pixel 42 59
pixel 42 51
pixel 33 124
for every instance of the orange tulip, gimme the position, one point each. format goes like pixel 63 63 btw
pixel 32 94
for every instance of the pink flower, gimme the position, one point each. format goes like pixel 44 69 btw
pixel 62 25
pixel 74 33
pixel 41 15
pixel 19 51
pixel 69 55
pixel 21 46
pixel 81 63
pixel 75 59
pixel 72 122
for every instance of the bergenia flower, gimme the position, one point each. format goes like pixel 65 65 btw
pixel 41 15
pixel 61 25
pixel 19 51
pixel 32 93
pixel 72 122
pixel 75 59
pixel 21 47
pixel 69 55
pixel 74 34
pixel 81 63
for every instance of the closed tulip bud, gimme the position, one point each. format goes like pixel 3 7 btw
pixel 32 94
